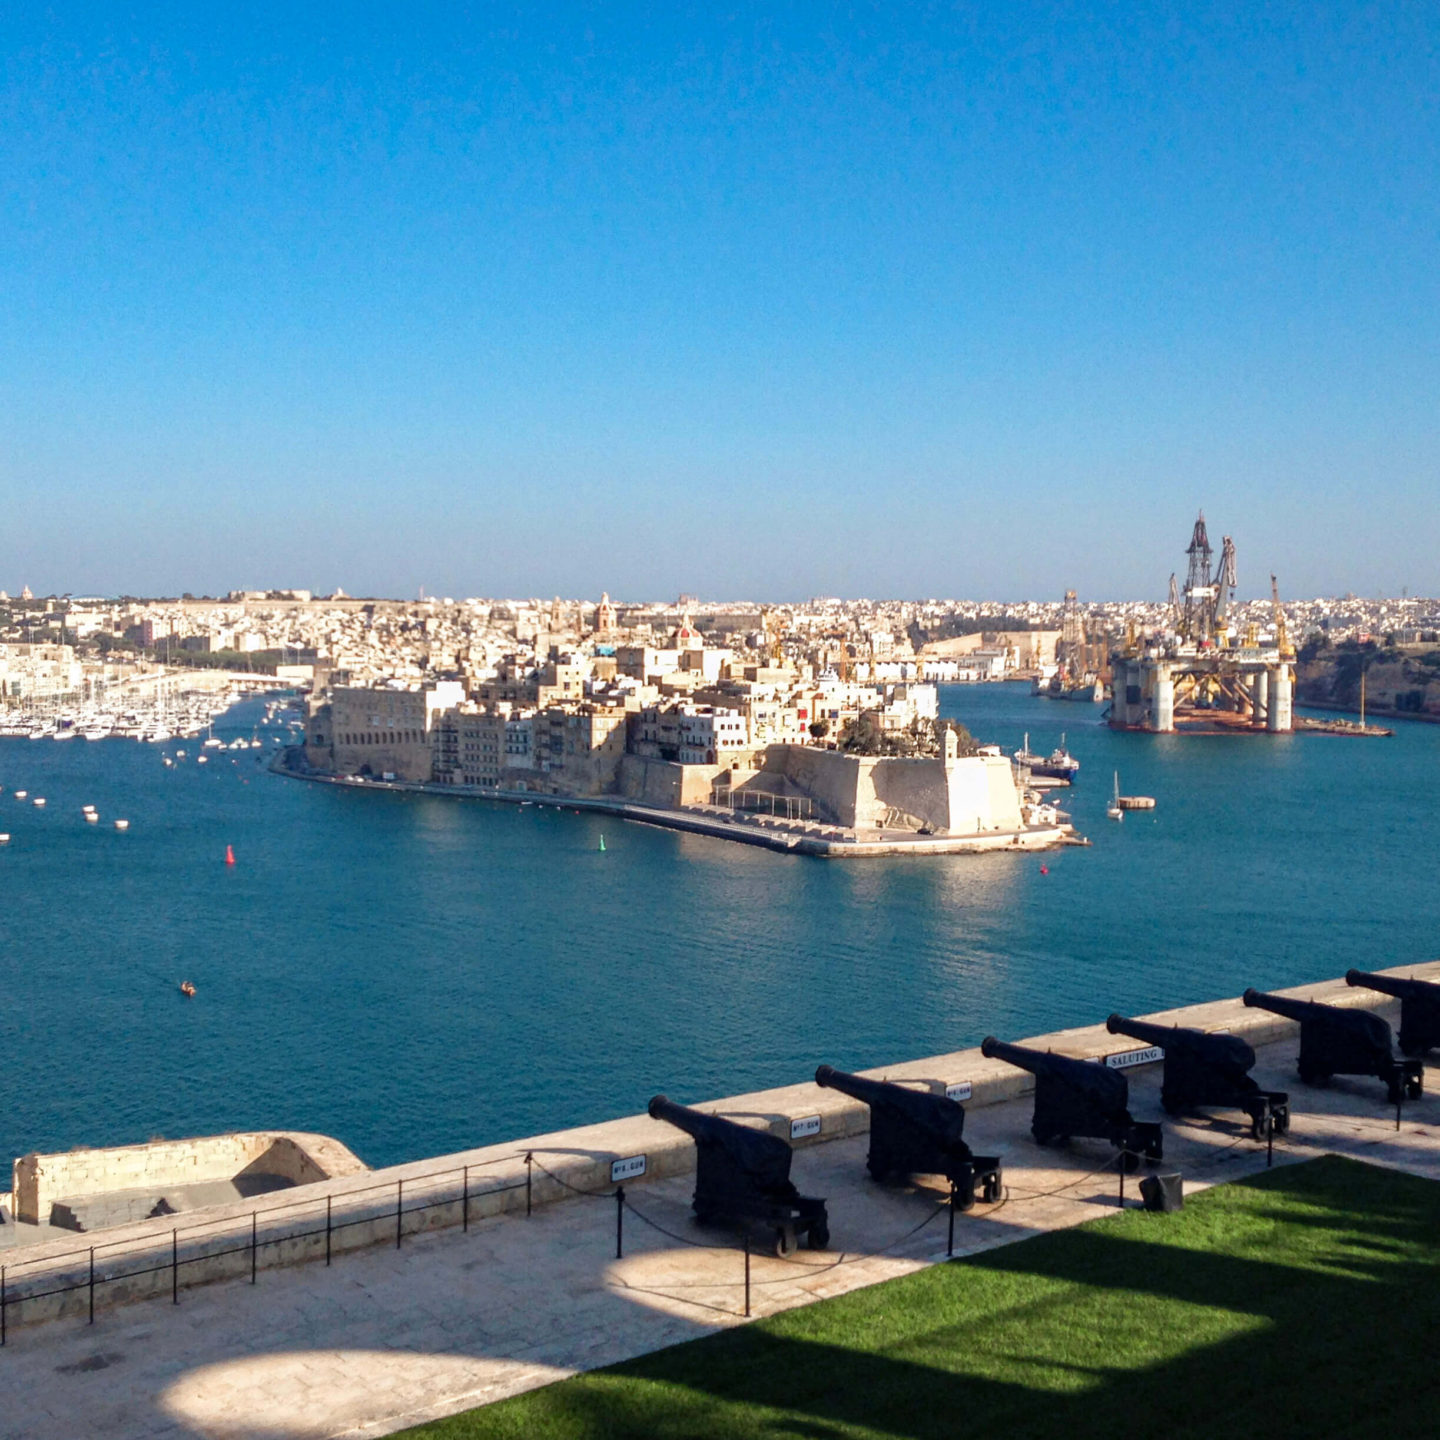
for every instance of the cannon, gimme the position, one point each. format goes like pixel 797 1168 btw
pixel 742 1178
pixel 1203 1070
pixel 913 1132
pixel 1078 1097
pixel 1336 1041
pixel 1419 1007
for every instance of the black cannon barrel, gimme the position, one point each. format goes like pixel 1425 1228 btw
pixel 1419 1006
pixel 937 1113
pixel 1204 1070
pixel 1401 989
pixel 742 1175
pixel 1078 1097
pixel 1335 1040
pixel 915 1132
pixel 1229 1051
pixel 1375 1029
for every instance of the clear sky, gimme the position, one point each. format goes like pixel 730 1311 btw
pixel 771 301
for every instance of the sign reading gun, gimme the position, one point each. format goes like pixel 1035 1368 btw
pixel 1203 1070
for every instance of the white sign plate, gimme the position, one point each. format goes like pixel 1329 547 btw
pixel 804 1127
pixel 960 1090
pixel 630 1168
pixel 1126 1058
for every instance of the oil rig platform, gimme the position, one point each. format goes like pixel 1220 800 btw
pixel 1198 676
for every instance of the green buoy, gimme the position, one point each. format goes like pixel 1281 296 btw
pixel 602 842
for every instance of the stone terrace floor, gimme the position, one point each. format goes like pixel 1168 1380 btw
pixel 387 1338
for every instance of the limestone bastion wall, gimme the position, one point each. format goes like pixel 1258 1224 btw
pixel 294 1225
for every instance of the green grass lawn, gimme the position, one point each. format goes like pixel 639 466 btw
pixel 1303 1302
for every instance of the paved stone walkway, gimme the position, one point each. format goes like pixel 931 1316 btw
pixel 387 1338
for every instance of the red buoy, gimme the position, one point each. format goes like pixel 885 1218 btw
pixel 229 856
pixel 1044 869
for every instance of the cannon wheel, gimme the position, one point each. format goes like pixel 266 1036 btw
pixel 992 1188
pixel 1262 1123
pixel 819 1237
pixel 1280 1121
pixel 785 1242
pixel 965 1196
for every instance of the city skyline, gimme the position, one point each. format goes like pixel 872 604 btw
pixel 902 304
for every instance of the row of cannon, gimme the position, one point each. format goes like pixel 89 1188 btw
pixel 742 1175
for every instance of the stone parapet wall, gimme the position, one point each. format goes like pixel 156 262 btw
pixel 362 1209
pixel 40 1180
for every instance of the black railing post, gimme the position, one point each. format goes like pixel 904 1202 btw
pixel 1121 1200
pixel 1269 1136
pixel 529 1171
pixel 619 1221
pixel 399 1210
pixel 465 1203
pixel 4 1300
pixel 747 1274
pixel 92 1285
pixel 253 1247
pixel 174 1267
pixel 950 1239
pixel 327 1229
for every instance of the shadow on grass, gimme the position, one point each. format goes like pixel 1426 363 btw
pixel 1300 1303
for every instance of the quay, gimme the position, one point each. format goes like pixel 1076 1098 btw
pixel 470 1299
pixel 789 836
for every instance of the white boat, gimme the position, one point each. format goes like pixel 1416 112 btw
pixel 1113 810
pixel 213 743
pixel 4 838
pixel 91 817
pixel 122 824
pixel 39 802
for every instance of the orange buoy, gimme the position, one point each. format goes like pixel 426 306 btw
pixel 229 855
pixel 186 988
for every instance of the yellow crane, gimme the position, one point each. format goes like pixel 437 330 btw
pixel 1282 633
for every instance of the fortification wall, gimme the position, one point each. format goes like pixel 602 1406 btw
pixel 545 1169
pixel 40 1180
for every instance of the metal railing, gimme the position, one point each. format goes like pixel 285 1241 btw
pixel 90 1268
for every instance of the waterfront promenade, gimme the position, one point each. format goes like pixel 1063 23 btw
pixel 453 1318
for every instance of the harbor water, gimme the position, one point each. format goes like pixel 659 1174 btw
pixel 418 974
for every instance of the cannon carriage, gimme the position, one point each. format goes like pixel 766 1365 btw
pixel 1336 1041
pixel 1202 1070
pixel 1079 1098
pixel 742 1179
pixel 913 1132
pixel 1419 1007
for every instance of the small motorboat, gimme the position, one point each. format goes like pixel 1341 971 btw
pixel 1113 810
pixel 122 824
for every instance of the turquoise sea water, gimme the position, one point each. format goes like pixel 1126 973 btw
pixel 416 975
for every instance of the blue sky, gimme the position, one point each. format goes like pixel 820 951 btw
pixel 741 301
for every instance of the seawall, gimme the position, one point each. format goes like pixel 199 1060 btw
pixel 790 837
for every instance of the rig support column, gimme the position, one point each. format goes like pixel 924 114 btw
pixel 1261 689
pixel 1280 720
pixel 1162 714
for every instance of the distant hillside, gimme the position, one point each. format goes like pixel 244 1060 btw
pixel 1397 682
